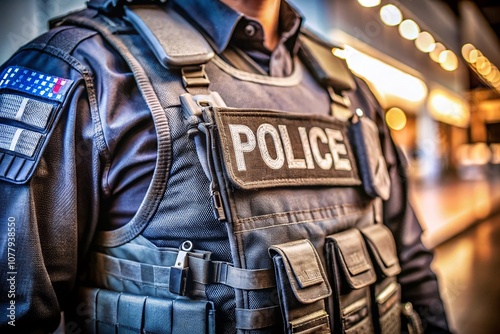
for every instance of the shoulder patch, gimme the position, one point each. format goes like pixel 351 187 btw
pixel 30 102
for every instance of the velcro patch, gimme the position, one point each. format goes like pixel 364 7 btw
pixel 271 149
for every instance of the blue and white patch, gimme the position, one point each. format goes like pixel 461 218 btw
pixel 30 104
pixel 34 83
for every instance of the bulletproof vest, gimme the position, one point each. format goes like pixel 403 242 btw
pixel 264 210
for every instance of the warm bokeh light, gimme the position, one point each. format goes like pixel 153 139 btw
pixel 492 75
pixel 425 42
pixel 438 48
pixel 339 53
pixel 474 55
pixel 448 60
pixel 448 108
pixel 409 29
pixel 395 118
pixel 391 15
pixel 466 50
pixel 388 81
pixel 483 66
pixel 369 3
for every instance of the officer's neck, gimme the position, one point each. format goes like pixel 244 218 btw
pixel 266 12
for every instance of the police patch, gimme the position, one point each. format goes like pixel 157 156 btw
pixel 29 105
pixel 271 149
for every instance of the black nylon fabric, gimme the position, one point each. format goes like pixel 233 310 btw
pixel 185 212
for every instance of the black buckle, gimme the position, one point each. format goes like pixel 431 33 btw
pixel 194 76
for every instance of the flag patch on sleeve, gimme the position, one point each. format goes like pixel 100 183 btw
pixel 30 104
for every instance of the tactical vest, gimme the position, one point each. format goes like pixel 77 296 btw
pixel 264 210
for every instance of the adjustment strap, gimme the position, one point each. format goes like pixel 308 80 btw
pixel 247 319
pixel 201 271
pixel 245 279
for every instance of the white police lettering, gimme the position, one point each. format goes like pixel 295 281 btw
pixel 292 162
pixel 306 147
pixel 242 147
pixel 245 141
pixel 315 134
pixel 334 136
pixel 262 131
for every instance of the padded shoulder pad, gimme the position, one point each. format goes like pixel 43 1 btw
pixel 328 69
pixel 171 38
pixel 30 104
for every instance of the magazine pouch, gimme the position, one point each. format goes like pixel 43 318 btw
pixel 386 293
pixel 302 287
pixel 351 273
pixel 106 311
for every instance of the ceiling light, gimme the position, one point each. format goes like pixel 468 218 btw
pixel 466 50
pixel 425 42
pixel 409 29
pixel 369 3
pixel 448 60
pixel 391 15
pixel 438 48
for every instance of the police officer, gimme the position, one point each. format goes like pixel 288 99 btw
pixel 136 200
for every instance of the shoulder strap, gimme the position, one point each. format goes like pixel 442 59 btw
pixel 330 71
pixel 173 40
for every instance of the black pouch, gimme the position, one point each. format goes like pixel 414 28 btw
pixel 364 136
pixel 386 293
pixel 302 287
pixel 351 273
pixel 105 311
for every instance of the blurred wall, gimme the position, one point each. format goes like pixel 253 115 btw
pixel 23 20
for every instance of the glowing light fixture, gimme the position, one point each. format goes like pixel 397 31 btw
pixel 391 15
pixel 395 119
pixel 388 81
pixel 466 50
pixel 474 55
pixel 448 108
pixel 484 68
pixel 339 53
pixel 425 42
pixel 483 64
pixel 492 75
pixel 438 48
pixel 409 29
pixel 448 60
pixel 369 3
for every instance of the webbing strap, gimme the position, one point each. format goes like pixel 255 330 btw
pixel 247 319
pixel 245 279
pixel 201 271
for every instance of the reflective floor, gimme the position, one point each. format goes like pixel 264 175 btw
pixel 468 266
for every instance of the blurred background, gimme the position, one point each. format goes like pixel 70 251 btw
pixel 434 66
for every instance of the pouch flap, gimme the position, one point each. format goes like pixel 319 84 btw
pixel 353 257
pixel 383 248
pixel 304 270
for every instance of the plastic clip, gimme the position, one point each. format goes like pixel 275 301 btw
pixel 180 271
